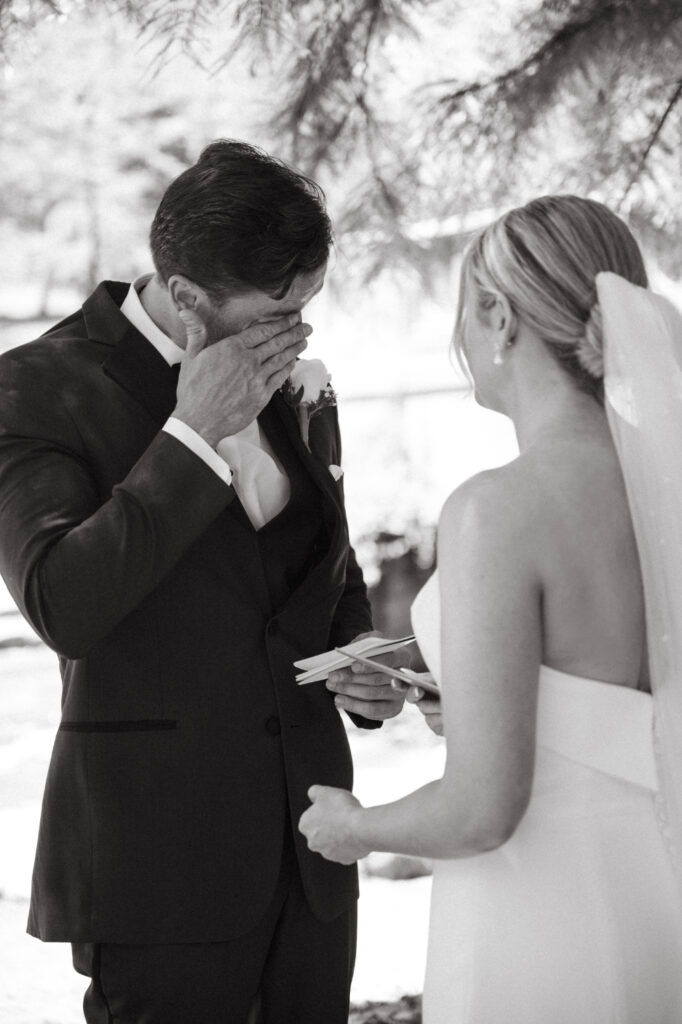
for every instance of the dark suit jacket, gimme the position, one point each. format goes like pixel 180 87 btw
pixel 183 735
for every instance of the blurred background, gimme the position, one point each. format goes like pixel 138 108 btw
pixel 422 120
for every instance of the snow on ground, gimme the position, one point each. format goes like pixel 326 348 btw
pixel 38 985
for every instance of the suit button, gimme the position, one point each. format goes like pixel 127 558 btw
pixel 273 726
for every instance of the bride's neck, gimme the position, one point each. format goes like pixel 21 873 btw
pixel 558 408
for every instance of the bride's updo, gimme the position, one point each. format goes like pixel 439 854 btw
pixel 544 257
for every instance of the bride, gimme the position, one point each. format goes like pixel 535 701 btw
pixel 556 893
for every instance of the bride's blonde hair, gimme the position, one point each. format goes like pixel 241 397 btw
pixel 544 257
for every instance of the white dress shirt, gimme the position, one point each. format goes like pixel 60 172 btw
pixel 245 459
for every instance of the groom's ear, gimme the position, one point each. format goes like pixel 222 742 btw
pixel 186 295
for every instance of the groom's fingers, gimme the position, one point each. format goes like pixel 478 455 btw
pixel 195 328
pixel 394 659
pixel 378 710
pixel 374 687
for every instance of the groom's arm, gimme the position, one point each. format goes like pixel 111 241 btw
pixel 353 613
pixel 76 566
pixel 353 616
pixel 77 561
pixel 352 619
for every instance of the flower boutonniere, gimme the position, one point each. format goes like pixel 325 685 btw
pixel 307 391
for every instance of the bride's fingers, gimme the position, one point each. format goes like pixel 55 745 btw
pixel 428 705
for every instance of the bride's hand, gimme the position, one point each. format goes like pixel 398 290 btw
pixel 428 704
pixel 329 825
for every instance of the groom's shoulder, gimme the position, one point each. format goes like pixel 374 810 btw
pixel 31 369
pixel 66 345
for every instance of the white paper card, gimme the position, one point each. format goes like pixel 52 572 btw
pixel 423 679
pixel 319 666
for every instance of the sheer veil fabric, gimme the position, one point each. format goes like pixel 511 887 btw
pixel 643 392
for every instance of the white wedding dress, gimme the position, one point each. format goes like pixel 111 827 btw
pixel 576 919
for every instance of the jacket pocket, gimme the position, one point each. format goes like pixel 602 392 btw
pixel 134 725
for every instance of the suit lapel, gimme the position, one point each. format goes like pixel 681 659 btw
pixel 132 361
pixel 139 369
pixel 277 415
pixel 315 466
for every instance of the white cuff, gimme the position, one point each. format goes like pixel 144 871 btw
pixel 196 444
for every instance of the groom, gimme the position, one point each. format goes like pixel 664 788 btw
pixel 167 531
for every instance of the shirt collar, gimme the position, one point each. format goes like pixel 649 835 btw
pixel 135 312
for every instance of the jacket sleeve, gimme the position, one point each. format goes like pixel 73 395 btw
pixel 355 618
pixel 353 613
pixel 76 566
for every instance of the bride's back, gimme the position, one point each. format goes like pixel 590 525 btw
pixel 571 493
pixel 529 325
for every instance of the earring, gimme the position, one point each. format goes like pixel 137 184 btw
pixel 497 358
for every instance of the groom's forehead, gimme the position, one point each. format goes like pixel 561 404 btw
pixel 304 288
pixel 261 306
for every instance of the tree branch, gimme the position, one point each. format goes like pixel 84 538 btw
pixel 653 139
pixel 560 40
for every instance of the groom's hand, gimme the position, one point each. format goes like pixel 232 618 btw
pixel 370 694
pixel 224 384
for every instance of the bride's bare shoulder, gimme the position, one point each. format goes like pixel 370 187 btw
pixel 549 488
pixel 495 508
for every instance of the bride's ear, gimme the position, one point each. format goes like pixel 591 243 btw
pixel 502 320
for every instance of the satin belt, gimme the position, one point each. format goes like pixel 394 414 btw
pixel 602 725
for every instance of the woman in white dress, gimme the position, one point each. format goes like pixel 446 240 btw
pixel 555 896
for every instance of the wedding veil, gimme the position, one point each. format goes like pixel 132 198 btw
pixel 643 389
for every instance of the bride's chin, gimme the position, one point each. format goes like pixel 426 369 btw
pixel 483 401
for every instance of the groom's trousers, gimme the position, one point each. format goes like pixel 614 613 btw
pixel 299 966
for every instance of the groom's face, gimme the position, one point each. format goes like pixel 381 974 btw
pixel 237 312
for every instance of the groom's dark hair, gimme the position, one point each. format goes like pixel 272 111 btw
pixel 240 220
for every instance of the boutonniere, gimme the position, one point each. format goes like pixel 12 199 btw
pixel 307 391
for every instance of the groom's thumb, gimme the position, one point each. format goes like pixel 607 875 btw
pixel 313 793
pixel 196 331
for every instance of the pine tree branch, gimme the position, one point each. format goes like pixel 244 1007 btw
pixel 557 43
pixel 27 17
pixel 653 139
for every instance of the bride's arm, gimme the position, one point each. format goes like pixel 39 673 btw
pixel 491 653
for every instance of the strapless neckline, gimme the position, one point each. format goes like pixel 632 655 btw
pixel 546 671
pixel 607 726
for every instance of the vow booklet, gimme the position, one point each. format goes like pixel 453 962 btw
pixel 319 666
pixel 406 675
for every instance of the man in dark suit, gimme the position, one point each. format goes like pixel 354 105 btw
pixel 179 546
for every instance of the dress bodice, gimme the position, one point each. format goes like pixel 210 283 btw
pixel 576 918
pixel 603 725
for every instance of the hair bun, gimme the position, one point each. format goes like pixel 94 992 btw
pixel 590 348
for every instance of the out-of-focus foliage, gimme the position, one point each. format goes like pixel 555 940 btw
pixel 90 138
pixel 429 114
pixel 421 118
